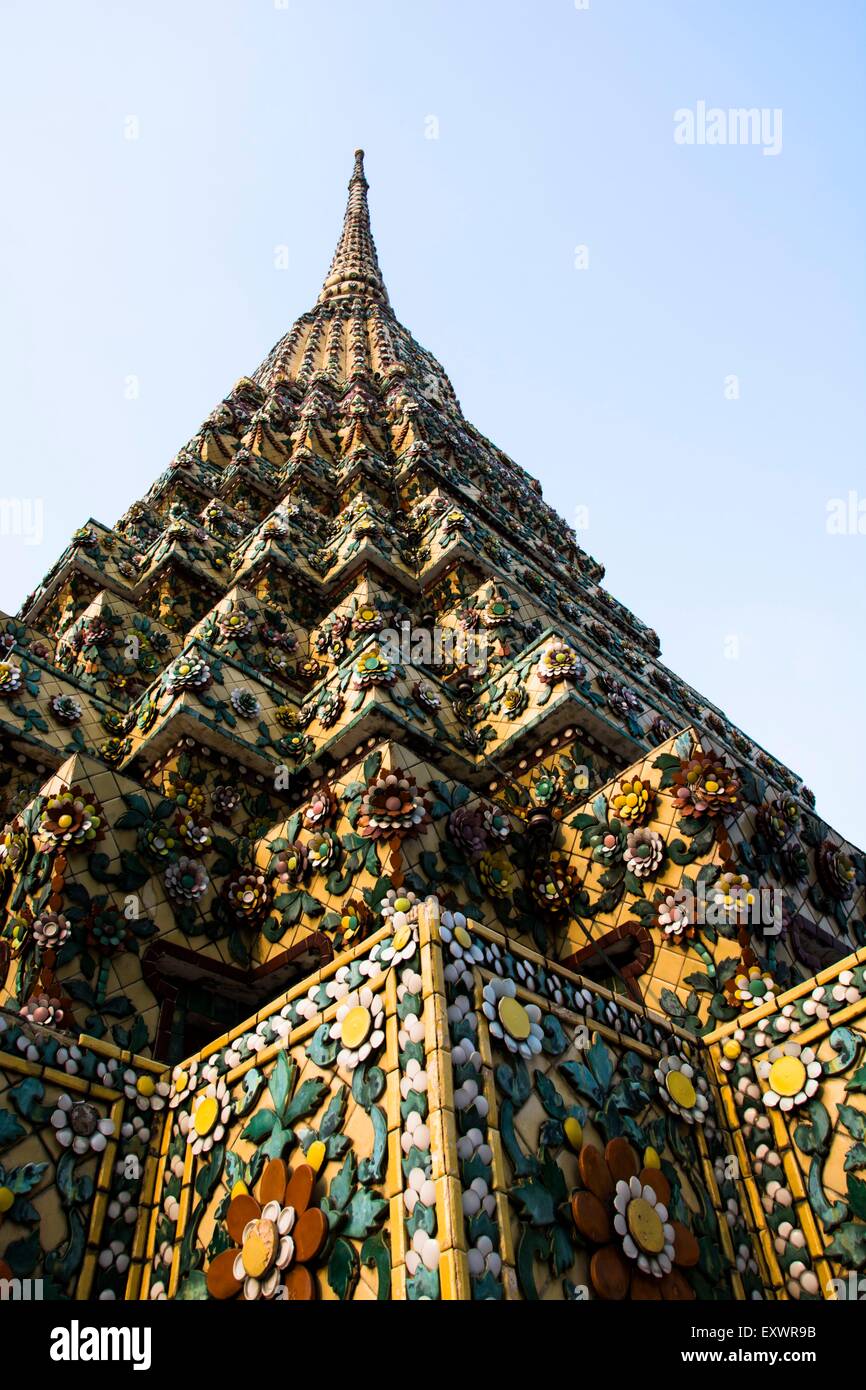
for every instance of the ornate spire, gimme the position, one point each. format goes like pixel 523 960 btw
pixel 355 268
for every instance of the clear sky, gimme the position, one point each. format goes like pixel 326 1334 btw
pixel 141 278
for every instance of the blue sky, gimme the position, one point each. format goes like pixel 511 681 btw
pixel 154 258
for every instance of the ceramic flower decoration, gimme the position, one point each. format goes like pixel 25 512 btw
pixel 496 874
pixel 403 943
pixel 278 663
pixel 367 619
pixel 322 850
pixel 468 829
pixel 516 1025
pixel 392 806
pixel 194 832
pixel 248 896
pixel 245 704
pixel 290 865
pixel 835 870
pixel 705 786
pixel 12 848
pixel 359 1027
pixel 356 921
pixel 463 949
pixel 634 801
pixel 66 709
pixel 644 852
pixel 426 696
pixel 683 1088
pixel 147 1093
pixel 225 801
pixel 234 624
pixel 754 987
pixel 329 708
pixel 71 818
pixel 622 699
pixel 285 716
pixel 11 680
pixel 107 929
pixel 514 701
pixel 496 612
pixel 775 822
pixel 44 1008
pixel 733 899
pixel 184 1082
pixel 50 930
pixel 187 673
pixel 554 885
pixel 205 1124
pixel 275 1239
pixel 186 879
pixel 496 823
pixel 621 1211
pixel 560 662
pixel 792 1074
pixel 79 1126
pixel 373 669
pixel 321 808
pixel 607 843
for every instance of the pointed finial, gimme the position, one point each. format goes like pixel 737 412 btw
pixel 355 268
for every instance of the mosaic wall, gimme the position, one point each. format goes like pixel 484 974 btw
pixel 435 1115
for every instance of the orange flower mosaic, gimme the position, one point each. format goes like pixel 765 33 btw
pixel 276 1238
pixel 622 1214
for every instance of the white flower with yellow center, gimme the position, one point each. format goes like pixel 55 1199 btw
pixel 461 946
pixel 516 1025
pixel 205 1125
pixel 402 919
pixel 732 1050
pixel 792 1074
pixel 683 1089
pixel 145 1090
pixel 185 1079
pixel 642 1222
pixel 266 1249
pixel 359 1027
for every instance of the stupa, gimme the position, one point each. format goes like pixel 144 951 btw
pixel 381 917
